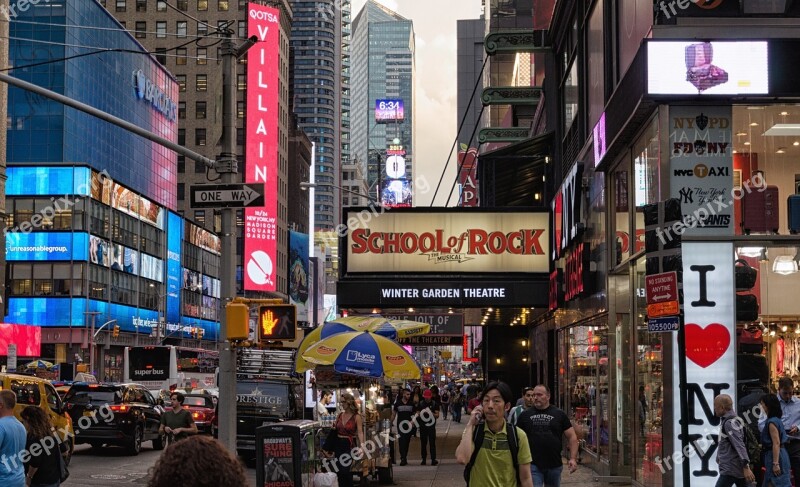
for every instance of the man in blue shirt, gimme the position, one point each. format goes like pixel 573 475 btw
pixel 12 442
pixel 790 407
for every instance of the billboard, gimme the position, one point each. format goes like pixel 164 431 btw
pixel 707 68
pixel 387 111
pixel 25 181
pixel 174 239
pixel 47 246
pixel 448 241
pixel 299 276
pixel 396 193
pixel 261 224
pixel 467 176
pixel 28 339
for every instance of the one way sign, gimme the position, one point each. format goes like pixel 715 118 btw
pixel 227 195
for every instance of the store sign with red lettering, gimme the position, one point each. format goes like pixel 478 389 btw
pixel 447 241
pixel 566 212
pixel 710 328
pixel 576 272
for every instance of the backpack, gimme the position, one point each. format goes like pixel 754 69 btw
pixel 751 443
pixel 477 441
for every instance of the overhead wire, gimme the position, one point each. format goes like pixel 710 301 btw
pixel 461 125
pixel 99 49
pixel 112 29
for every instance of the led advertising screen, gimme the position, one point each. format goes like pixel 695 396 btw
pixel 47 246
pixel 299 273
pixel 396 193
pixel 28 339
pixel 152 268
pixel 203 238
pixel 62 181
pixel 707 68
pixel 388 111
pixel 174 238
pixel 261 224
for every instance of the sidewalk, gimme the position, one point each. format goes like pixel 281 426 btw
pixel 449 473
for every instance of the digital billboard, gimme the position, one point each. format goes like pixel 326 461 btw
pixel 47 246
pixel 28 339
pixel 396 193
pixel 203 238
pixel 152 268
pixel 174 238
pixel 299 273
pixel 707 68
pixel 27 181
pixel 387 111
pixel 118 257
pixel 261 164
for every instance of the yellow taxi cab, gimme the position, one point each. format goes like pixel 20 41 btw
pixel 35 391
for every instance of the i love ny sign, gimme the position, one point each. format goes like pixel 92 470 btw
pixel 710 324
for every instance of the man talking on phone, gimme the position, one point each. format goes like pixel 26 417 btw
pixel 496 454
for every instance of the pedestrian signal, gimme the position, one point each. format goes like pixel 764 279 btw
pixel 277 322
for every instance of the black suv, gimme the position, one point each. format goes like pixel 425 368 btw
pixel 136 415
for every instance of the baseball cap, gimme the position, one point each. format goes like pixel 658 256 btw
pixel 427 394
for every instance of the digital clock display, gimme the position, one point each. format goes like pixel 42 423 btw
pixel 388 111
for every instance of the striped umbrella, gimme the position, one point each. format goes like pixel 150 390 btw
pixel 363 354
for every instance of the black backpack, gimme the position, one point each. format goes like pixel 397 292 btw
pixel 751 443
pixel 477 441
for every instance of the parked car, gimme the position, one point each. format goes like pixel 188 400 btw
pixel 202 408
pixel 136 415
pixel 62 387
pixel 34 391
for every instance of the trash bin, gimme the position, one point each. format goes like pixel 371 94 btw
pixel 286 453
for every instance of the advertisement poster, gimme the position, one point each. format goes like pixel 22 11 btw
pixel 261 224
pixel 387 111
pixel 710 327
pixel 174 238
pixel 278 462
pixel 27 339
pixel 46 246
pixel 701 167
pixel 396 193
pixel 299 274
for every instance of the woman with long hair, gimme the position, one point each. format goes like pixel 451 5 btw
pixel 773 438
pixel 44 469
pixel 416 394
pixel 187 463
pixel 349 426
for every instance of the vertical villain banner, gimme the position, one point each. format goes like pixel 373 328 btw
pixel 261 224
pixel 710 327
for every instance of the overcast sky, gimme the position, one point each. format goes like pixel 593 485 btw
pixel 435 110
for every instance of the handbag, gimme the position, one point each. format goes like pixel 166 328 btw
pixel 745 275
pixel 751 340
pixel 746 307
pixel 326 479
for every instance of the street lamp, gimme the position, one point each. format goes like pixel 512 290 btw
pixel 92 342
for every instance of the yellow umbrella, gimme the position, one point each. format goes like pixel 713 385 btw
pixel 364 354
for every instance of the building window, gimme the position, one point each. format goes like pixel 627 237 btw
pixel 161 29
pixel 239 136
pixel 199 167
pixel 202 28
pixel 200 136
pixel 181 110
pixel 200 216
pixel 221 26
pixel 181 191
pixel 201 82
pixel 240 109
pixel 161 55
pixel 202 5
pixel 161 6
pixel 222 5
pixel 121 7
pixel 242 29
pixel 243 4
pixel 181 27
pixel 181 82
pixel 180 60
pixel 202 55
pixel 183 5
pixel 141 5
pixel 181 136
pixel 241 82
pixel 141 30
pixel 200 109
pixel 181 164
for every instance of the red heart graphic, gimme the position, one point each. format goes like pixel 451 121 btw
pixel 704 346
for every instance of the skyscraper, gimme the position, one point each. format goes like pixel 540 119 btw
pixel 383 70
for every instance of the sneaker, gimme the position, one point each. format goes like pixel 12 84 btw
pixel 423 462
pixel 403 462
pixel 434 462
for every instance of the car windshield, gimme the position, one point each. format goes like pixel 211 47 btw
pixel 198 401
pixel 93 396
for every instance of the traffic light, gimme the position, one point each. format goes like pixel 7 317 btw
pixel 277 322
pixel 237 316
pixel 115 333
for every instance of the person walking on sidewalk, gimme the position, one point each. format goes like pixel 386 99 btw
pixel 790 417
pixel 12 442
pixel 732 457
pixel 495 453
pixel 404 413
pixel 527 403
pixel 445 398
pixel 545 426
pixel 427 413
pixel 457 405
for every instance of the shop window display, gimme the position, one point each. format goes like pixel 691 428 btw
pixel 587 386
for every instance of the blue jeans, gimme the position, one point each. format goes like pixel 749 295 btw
pixel 729 481
pixel 547 477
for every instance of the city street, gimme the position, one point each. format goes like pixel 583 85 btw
pixel 112 466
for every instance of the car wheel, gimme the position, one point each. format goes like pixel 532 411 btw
pixel 135 444
pixel 160 442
